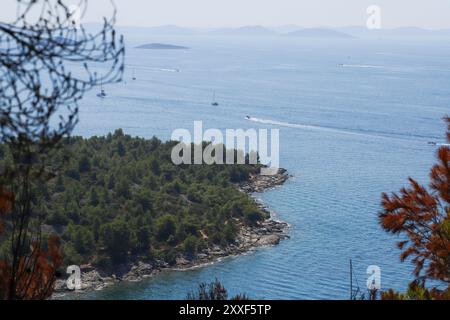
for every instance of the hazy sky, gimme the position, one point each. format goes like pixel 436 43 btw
pixel 222 13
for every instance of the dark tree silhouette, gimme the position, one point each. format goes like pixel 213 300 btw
pixel 422 215
pixel 213 291
pixel 47 64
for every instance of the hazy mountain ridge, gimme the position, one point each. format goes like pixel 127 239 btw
pixel 246 30
pixel 346 32
pixel 319 33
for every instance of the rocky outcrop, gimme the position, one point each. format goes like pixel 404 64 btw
pixel 267 233
pixel 261 183
pixel 90 280
pixel 141 270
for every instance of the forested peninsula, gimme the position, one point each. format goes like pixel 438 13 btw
pixel 124 211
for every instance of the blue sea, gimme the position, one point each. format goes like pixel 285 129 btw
pixel 355 118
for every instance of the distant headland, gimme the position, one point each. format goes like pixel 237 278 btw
pixel 161 46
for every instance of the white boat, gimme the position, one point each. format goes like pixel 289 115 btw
pixel 102 93
pixel 214 102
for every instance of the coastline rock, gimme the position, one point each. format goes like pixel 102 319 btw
pixel 91 280
pixel 140 271
pixel 260 183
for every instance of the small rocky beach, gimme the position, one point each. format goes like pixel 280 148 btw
pixel 266 233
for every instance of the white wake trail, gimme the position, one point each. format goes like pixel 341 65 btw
pixel 308 127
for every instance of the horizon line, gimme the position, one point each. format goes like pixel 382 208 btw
pixel 193 28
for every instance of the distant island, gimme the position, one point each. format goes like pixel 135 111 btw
pixel 161 46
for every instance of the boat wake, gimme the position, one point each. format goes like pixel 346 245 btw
pixel 303 126
pixel 361 66
pixel 164 69
pixel 355 132
pixel 148 68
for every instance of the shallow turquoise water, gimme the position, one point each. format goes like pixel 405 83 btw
pixel 370 120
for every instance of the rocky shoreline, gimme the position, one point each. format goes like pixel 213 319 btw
pixel 267 233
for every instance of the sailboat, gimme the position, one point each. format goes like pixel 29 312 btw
pixel 102 93
pixel 134 74
pixel 214 102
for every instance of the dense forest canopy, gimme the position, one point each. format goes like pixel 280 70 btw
pixel 117 198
